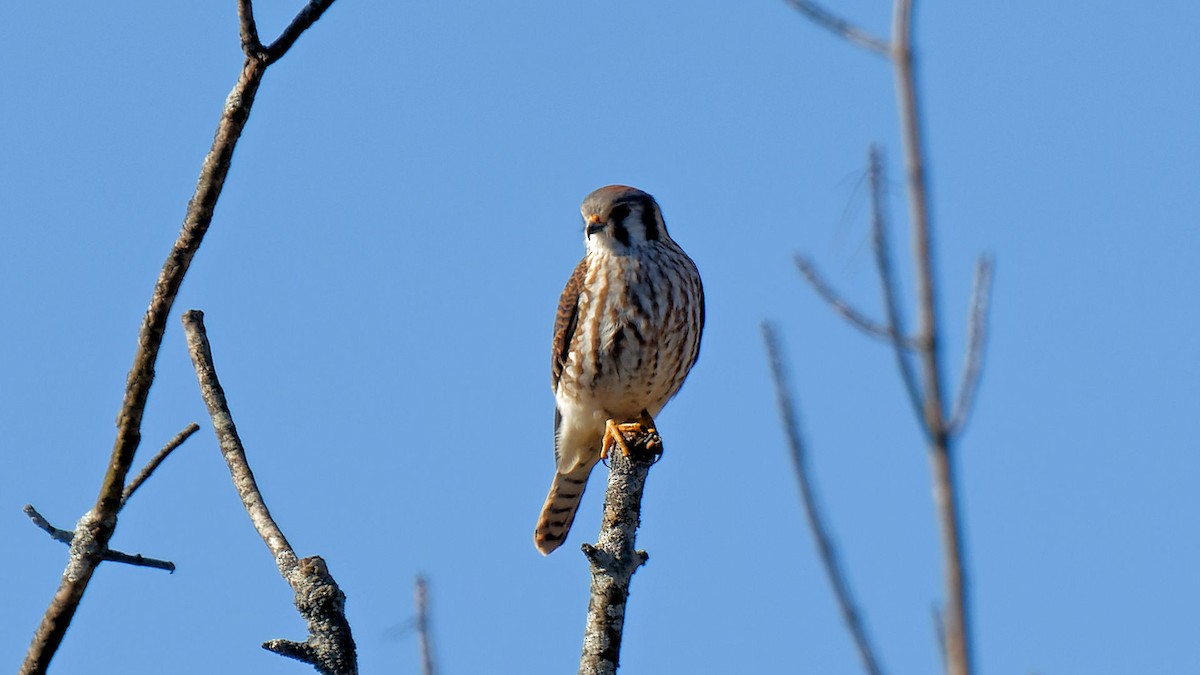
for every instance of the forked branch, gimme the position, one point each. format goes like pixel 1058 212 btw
pixel 330 646
pixel 101 521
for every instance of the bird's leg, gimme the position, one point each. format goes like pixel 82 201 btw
pixel 645 437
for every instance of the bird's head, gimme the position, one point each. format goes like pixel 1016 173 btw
pixel 617 218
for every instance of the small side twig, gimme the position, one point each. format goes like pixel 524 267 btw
pixel 844 309
pixel 614 558
pixel 816 519
pixel 67 537
pixel 976 345
pixel 305 18
pixel 421 594
pixel 841 27
pixel 156 460
pixel 330 646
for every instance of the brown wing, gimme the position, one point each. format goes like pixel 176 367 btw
pixel 565 322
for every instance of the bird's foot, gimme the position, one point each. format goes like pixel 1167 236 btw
pixel 638 437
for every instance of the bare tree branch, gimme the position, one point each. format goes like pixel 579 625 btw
pixel 330 647
pixel 977 329
pixel 844 309
pixel 841 27
pixel 156 460
pixel 101 521
pixel 814 516
pixel 426 645
pixel 249 30
pixel 614 558
pixel 957 615
pixel 67 537
pixel 305 18
pixel 882 249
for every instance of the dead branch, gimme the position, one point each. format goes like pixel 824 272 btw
pixel 155 461
pixel 927 395
pixel 426 645
pixel 330 646
pixel 101 521
pixel 976 345
pixel 942 458
pixel 815 518
pixel 841 27
pixel 614 558
pixel 844 309
pixel 67 537
pixel 876 178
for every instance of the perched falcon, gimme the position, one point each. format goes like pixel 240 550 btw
pixel 627 333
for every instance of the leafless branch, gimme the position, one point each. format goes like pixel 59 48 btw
pixel 67 537
pixel 876 178
pixel 426 645
pixel 942 458
pixel 249 30
pixel 102 519
pixel 305 18
pixel 844 309
pixel 330 647
pixel 841 27
pixel 156 460
pixel 976 345
pixel 814 516
pixel 614 559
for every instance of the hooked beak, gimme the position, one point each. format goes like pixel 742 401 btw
pixel 594 225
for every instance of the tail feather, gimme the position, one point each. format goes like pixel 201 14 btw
pixel 559 510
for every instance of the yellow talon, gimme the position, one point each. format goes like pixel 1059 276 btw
pixel 642 430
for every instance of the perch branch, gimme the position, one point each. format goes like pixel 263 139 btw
pixel 814 516
pixel 102 519
pixel 841 27
pixel 613 559
pixel 156 460
pixel 330 647
pixel 976 345
pixel 67 537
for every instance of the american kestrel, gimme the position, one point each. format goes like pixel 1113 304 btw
pixel 626 335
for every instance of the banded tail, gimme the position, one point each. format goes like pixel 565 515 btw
pixel 559 510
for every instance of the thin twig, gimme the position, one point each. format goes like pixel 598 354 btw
pixel 841 27
pixel 426 644
pixel 305 18
pixel 814 516
pixel 942 458
pixel 64 536
pixel 844 309
pixel 614 558
pixel 876 179
pixel 330 647
pixel 156 460
pixel 977 329
pixel 67 537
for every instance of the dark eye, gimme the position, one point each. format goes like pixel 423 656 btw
pixel 619 213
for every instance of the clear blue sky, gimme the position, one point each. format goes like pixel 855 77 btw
pixel 380 282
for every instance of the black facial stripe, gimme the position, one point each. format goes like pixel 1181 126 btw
pixel 650 223
pixel 619 232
